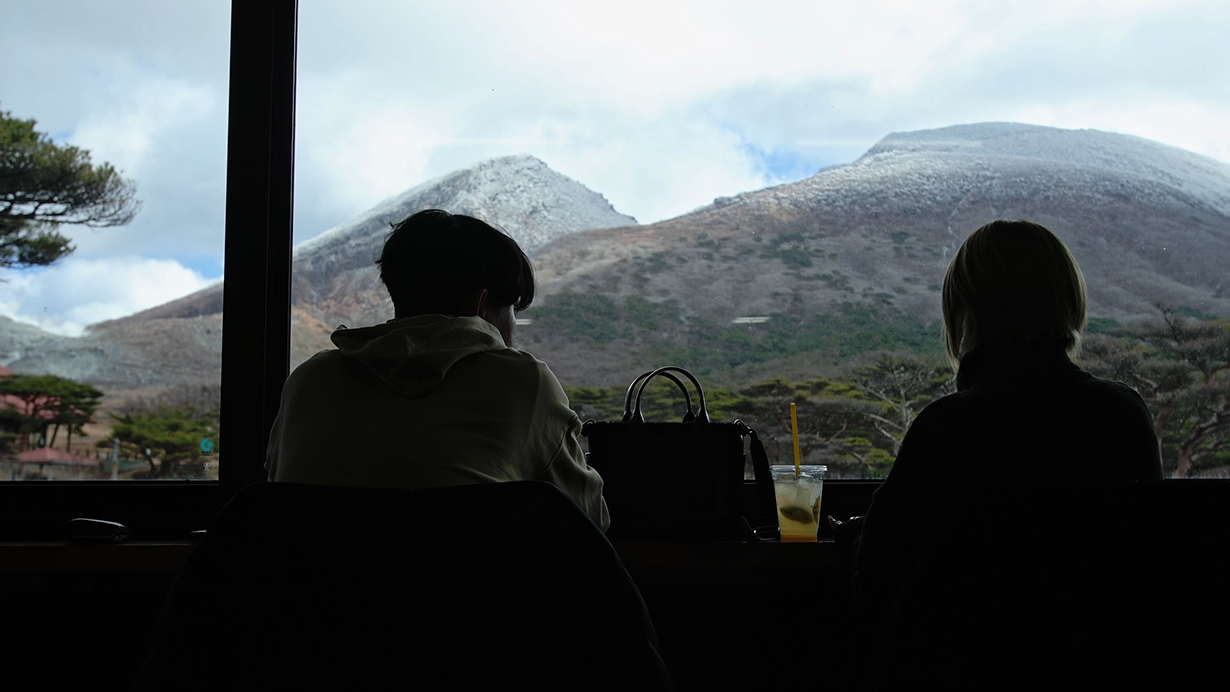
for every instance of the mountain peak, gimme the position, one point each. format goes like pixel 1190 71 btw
pixel 1021 139
pixel 519 193
pixel 1123 155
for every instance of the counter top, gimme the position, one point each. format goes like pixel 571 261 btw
pixel 169 556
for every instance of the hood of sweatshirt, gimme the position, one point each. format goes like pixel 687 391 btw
pixel 413 354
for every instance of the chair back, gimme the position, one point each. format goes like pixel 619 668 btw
pixel 497 586
pixel 1080 586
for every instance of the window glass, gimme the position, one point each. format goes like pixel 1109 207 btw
pixel 112 204
pixel 769 193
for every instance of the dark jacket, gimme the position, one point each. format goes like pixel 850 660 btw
pixel 1021 413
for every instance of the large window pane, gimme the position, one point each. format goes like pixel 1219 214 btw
pixel 110 352
pixel 799 175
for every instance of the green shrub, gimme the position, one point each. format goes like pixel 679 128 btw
pixel 588 315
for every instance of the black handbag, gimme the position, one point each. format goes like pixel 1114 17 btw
pixel 680 482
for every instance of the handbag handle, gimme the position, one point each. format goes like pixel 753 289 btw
pixel 688 417
pixel 766 498
pixel 702 415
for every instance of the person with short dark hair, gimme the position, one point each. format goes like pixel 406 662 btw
pixel 437 396
pixel 1014 306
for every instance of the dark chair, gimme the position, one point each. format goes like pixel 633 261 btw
pixel 1068 586
pixel 500 586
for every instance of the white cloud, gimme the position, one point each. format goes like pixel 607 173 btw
pixel 661 105
pixel 148 108
pixel 142 85
pixel 357 141
pixel 66 297
pixel 693 162
pixel 656 103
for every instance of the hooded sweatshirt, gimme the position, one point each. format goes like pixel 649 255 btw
pixel 429 401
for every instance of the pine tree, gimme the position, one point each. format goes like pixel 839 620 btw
pixel 44 185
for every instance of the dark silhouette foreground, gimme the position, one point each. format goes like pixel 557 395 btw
pixel 1056 586
pixel 1022 414
pixel 437 396
pixel 1014 306
pixel 494 586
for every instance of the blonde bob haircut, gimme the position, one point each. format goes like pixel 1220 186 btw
pixel 1012 281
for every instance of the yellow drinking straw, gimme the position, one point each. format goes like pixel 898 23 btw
pixel 794 432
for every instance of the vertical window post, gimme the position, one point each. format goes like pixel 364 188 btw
pixel 259 210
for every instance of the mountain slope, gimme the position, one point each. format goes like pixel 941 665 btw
pixel 334 280
pixel 334 273
pixel 1148 224
pixel 335 277
pixel 846 260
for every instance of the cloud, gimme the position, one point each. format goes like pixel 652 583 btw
pixel 129 134
pixel 141 85
pixel 661 105
pixel 66 297
pixel 657 104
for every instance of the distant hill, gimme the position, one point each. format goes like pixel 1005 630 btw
pixel 18 340
pixel 146 355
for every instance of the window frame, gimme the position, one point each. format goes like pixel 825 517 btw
pixel 256 334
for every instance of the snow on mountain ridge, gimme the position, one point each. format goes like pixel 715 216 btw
pixel 944 162
pixel 519 193
pixel 1126 155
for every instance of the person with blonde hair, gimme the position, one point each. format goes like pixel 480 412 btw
pixel 1014 305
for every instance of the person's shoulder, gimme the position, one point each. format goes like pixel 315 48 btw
pixel 1114 388
pixel 323 361
pixel 517 370
pixel 319 373
pixel 948 406
pixel 1114 394
pixel 512 359
pixel 936 419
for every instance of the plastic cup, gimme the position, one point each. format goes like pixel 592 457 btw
pixel 798 500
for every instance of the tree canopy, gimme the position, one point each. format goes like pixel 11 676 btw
pixel 1181 367
pixel 44 185
pixel 47 399
pixel 168 438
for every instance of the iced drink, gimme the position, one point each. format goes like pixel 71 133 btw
pixel 798 501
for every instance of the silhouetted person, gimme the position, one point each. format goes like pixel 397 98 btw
pixel 436 396
pixel 1014 307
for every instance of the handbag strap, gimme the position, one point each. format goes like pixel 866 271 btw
pixel 765 497
pixel 688 417
pixel 702 414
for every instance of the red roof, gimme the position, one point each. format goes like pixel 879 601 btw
pixel 47 455
pixel 5 371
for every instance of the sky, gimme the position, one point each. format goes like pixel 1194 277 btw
pixel 660 106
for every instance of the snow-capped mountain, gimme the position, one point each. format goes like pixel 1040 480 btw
pixel 335 279
pixel 1148 223
pixel 520 194
pixel 936 164
pixel 335 271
